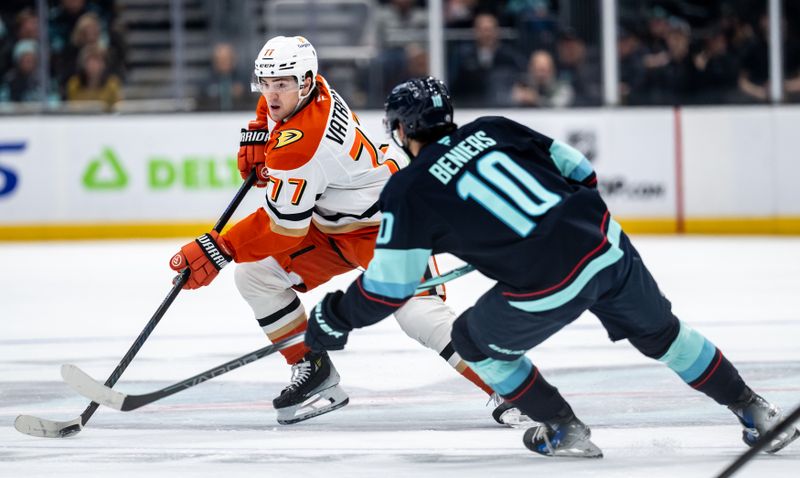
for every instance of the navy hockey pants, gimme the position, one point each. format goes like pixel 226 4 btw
pixel 624 296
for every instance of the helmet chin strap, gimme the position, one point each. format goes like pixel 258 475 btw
pixel 403 144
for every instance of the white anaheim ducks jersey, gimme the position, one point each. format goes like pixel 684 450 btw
pixel 323 168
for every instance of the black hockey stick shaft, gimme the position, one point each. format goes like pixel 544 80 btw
pixel 760 444
pixel 162 309
pixel 132 402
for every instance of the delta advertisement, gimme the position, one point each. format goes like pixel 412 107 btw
pixel 173 169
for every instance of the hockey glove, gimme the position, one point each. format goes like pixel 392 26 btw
pixel 326 330
pixel 252 154
pixel 204 257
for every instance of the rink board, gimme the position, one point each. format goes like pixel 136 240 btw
pixel 663 170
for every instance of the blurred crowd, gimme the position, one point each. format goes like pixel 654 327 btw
pixel 86 53
pixel 527 53
pixel 511 53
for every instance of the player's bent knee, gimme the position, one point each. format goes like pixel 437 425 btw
pixel 655 345
pixel 257 279
pixel 463 342
pixel 427 320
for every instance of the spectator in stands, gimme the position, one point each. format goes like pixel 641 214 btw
pixel 631 68
pixel 535 23
pixel 62 21
pixel 21 83
pixel 94 81
pixel 6 46
pixel 460 13
pixel 481 71
pixel 88 31
pixel 573 69
pixel 655 40
pixel 416 61
pixel 541 86
pixel 754 73
pixel 670 83
pixel 399 23
pixel 224 90
pixel 26 27
pixel 716 69
pixel 791 83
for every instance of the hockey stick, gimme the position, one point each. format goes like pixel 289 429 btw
pixel 760 444
pixel 103 394
pixel 42 427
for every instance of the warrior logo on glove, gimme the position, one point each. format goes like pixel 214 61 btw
pixel 252 147
pixel 204 257
pixel 211 250
pixel 253 137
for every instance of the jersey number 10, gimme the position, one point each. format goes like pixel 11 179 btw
pixel 524 205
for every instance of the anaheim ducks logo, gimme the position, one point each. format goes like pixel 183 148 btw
pixel 288 136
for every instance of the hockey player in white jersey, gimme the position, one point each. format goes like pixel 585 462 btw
pixel 323 176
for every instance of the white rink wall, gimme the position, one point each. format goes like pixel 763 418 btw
pixel 728 169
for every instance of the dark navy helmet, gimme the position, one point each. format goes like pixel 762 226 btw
pixel 422 106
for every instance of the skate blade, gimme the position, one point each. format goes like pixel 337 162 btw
pixel 583 449
pixel 586 450
pixel 780 444
pixel 590 450
pixel 323 402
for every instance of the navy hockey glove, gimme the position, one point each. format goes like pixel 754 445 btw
pixel 326 330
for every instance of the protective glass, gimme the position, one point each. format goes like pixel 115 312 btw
pixel 274 85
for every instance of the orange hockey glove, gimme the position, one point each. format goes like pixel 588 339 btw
pixel 252 154
pixel 204 257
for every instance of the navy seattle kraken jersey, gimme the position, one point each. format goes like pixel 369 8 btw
pixel 519 206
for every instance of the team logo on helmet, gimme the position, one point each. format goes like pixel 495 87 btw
pixel 287 137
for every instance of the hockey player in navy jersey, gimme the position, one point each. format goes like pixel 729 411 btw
pixel 524 210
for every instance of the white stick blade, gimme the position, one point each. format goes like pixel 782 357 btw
pixel 91 389
pixel 41 427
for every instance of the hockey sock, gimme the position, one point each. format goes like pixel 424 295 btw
pixel 720 380
pixel 473 377
pixel 285 322
pixel 539 400
pixel 296 352
pixel 520 383
pixel 701 364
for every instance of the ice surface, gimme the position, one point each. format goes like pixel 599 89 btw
pixel 410 414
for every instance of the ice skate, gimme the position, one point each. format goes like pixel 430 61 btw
pixel 314 390
pixel 570 438
pixel 506 413
pixel 758 416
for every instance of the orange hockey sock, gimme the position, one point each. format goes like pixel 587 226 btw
pixel 296 352
pixel 470 375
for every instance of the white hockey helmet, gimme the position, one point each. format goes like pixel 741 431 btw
pixel 286 56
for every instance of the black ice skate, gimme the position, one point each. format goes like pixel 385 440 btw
pixel 314 390
pixel 505 413
pixel 758 416
pixel 569 438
